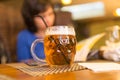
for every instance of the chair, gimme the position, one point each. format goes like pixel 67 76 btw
pixel 63 18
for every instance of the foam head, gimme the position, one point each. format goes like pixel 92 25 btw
pixel 60 30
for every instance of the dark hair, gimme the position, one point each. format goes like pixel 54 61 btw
pixel 30 9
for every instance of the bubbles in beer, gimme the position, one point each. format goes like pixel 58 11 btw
pixel 57 52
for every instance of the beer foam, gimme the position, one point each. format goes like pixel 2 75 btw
pixel 60 31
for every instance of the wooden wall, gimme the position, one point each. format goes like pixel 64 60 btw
pixel 10 24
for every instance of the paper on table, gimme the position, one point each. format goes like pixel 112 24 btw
pixel 100 67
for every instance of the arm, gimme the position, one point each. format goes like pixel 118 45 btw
pixel 23 49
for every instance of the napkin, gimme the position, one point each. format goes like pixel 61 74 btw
pixel 102 66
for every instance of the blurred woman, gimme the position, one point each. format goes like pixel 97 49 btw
pixel 32 11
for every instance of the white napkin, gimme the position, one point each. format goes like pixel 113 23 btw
pixel 100 67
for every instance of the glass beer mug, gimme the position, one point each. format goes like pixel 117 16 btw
pixel 59 45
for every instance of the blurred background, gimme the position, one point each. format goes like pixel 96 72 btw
pixel 89 17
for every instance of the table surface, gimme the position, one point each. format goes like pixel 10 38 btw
pixel 76 75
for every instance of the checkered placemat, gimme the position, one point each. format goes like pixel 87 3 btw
pixel 46 70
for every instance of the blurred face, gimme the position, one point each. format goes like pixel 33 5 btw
pixel 48 16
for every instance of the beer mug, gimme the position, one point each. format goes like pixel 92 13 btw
pixel 59 46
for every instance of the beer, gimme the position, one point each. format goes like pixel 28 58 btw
pixel 60 46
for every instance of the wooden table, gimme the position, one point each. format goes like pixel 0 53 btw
pixel 76 75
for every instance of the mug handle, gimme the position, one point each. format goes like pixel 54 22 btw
pixel 35 57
